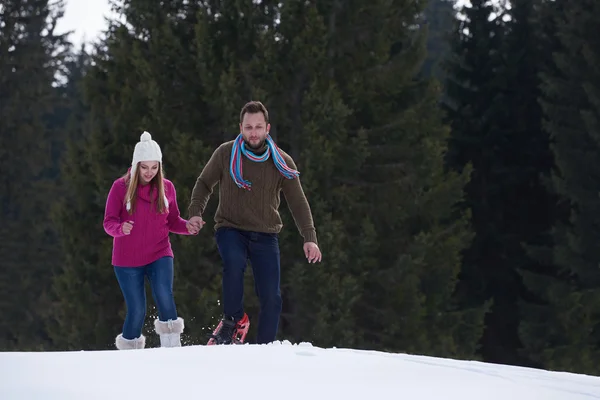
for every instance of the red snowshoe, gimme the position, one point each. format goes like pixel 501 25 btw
pixel 230 332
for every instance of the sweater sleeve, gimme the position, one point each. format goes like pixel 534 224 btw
pixel 114 203
pixel 298 205
pixel 174 220
pixel 211 174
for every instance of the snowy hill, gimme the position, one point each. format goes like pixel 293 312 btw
pixel 275 371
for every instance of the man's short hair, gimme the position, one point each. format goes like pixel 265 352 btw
pixel 254 107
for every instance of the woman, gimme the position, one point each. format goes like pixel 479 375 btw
pixel 141 211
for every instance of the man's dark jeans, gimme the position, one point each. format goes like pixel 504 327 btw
pixel 262 249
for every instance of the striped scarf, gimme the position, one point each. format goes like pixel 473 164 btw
pixel 239 148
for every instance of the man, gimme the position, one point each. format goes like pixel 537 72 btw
pixel 252 171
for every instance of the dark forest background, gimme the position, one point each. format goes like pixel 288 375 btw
pixel 450 156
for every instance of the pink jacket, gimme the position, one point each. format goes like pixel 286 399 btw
pixel 149 237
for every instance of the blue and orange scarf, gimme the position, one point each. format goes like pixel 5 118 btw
pixel 239 148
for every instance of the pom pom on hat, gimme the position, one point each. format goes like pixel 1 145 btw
pixel 146 137
pixel 145 150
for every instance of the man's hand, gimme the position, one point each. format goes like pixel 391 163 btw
pixel 312 252
pixel 195 223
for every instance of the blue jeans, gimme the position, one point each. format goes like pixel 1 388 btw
pixel 262 250
pixel 131 281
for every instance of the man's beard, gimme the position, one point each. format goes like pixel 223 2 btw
pixel 255 147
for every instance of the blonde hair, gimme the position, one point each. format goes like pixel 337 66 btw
pixel 157 182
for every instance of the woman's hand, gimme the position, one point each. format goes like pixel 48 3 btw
pixel 127 227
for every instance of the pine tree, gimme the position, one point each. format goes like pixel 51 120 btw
pixel 32 57
pixel 496 132
pixel 84 288
pixel 187 71
pixel 562 330
pixel 408 264
pixel 308 121
pixel 172 70
pixel 526 159
pixel 344 126
pixel 439 15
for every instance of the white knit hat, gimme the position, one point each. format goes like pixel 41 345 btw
pixel 145 150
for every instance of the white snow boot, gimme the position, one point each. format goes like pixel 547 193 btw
pixel 169 331
pixel 130 344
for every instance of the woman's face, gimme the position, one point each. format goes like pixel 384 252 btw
pixel 148 170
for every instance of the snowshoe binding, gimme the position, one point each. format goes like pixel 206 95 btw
pixel 230 332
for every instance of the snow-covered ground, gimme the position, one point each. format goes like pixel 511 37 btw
pixel 275 371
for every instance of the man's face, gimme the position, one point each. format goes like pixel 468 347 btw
pixel 254 130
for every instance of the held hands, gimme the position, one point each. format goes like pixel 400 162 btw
pixel 312 252
pixel 191 228
pixel 127 227
pixel 194 225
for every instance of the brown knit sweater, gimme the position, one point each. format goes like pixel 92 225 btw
pixel 255 210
